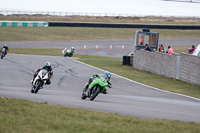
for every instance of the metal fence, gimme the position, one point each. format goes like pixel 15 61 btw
pixel 6 13
pixel 44 13
pixel 192 1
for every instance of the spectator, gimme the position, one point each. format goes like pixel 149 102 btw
pixel 170 50
pixel 141 40
pixel 191 50
pixel 148 48
pixel 162 48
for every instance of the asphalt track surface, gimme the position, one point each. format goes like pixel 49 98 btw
pixel 103 46
pixel 125 97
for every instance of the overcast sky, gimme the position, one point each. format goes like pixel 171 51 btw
pixel 134 7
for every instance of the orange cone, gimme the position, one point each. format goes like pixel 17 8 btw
pixel 122 47
pixel 96 47
pixel 110 47
pixel 84 47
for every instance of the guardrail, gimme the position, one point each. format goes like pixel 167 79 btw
pixel 6 13
pixel 46 13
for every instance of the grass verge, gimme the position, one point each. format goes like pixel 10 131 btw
pixel 80 33
pixel 114 65
pixel 22 116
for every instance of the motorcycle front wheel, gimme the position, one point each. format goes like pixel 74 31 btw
pixel 94 92
pixel 37 86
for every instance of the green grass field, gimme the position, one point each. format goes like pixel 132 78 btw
pixel 80 34
pixel 23 116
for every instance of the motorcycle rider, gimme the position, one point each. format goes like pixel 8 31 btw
pixel 106 76
pixel 66 51
pixel 47 67
pixel 6 48
pixel 72 49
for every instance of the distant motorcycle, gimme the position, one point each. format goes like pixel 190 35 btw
pixel 3 53
pixel 68 52
pixel 40 80
pixel 98 85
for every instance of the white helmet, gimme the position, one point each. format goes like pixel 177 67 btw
pixel 72 48
pixel 5 45
pixel 48 64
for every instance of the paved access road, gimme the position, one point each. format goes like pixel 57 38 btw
pixel 126 97
pixel 103 46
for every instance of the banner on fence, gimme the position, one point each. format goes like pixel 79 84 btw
pixel 24 23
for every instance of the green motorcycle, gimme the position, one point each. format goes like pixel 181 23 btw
pixel 98 85
pixel 68 52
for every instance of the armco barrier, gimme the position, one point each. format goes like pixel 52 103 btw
pixel 24 23
pixel 109 25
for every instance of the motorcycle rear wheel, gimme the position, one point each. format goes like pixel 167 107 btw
pixel 2 55
pixel 32 90
pixel 83 96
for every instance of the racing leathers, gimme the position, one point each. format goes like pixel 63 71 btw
pixel 6 47
pixel 92 78
pixel 49 69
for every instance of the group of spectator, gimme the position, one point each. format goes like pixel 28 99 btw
pixel 191 49
pixel 163 50
pixel 170 50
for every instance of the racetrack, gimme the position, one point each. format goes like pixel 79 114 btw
pixel 126 97
pixel 103 46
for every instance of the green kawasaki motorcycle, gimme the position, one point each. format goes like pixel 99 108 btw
pixel 98 85
pixel 68 52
